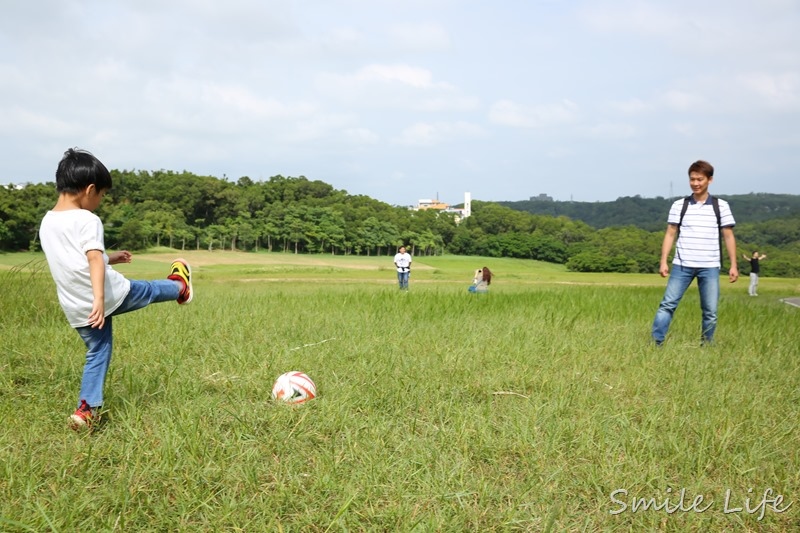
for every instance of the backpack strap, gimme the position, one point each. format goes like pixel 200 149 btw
pixel 715 205
pixel 683 210
pixel 680 220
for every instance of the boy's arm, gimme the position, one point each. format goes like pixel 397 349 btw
pixel 123 256
pixel 730 244
pixel 97 273
pixel 762 257
pixel 666 248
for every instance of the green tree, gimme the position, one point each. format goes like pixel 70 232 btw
pixel 296 226
pixel 331 228
pixel 134 234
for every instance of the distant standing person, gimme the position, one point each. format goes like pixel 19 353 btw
pixel 755 270
pixel 482 280
pixel 697 254
pixel 402 260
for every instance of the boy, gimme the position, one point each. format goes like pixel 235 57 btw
pixel 89 290
pixel 697 254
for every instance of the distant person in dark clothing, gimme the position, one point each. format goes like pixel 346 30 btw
pixel 755 270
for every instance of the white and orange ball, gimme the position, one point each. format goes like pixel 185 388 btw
pixel 294 387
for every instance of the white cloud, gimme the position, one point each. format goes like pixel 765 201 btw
pixel 559 152
pixel 611 131
pixel 203 105
pixel 430 134
pixel 722 30
pixel 777 91
pixel 345 37
pixel 508 113
pixel 634 106
pixel 15 121
pixel 394 87
pixel 437 104
pixel 361 136
pixel 416 77
pixel 679 100
pixel 685 129
pixel 644 18
pixel 426 37
pixel 347 89
pixel 327 126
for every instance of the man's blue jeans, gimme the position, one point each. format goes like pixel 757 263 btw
pixel 99 341
pixel 679 280
pixel 402 278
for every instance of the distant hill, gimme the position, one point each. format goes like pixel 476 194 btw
pixel 651 213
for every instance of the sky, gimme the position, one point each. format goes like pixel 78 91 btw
pixel 404 100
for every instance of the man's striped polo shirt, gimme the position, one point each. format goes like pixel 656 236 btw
pixel 698 241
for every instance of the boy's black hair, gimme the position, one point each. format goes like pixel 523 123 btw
pixel 78 169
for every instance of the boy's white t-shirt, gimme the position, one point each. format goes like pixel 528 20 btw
pixel 66 236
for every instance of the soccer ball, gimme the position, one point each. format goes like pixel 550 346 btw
pixel 294 387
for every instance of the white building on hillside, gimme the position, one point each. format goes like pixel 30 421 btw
pixel 461 212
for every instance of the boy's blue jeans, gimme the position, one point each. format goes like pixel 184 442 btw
pixel 99 341
pixel 679 280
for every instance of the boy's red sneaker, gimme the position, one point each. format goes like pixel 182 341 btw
pixel 84 417
pixel 181 271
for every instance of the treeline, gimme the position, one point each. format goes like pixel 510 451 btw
pixel 298 215
pixel 183 210
pixel 651 213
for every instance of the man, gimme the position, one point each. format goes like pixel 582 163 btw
pixel 402 261
pixel 697 254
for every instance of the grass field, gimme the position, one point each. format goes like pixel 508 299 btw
pixel 540 406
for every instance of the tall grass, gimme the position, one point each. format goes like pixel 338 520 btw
pixel 520 410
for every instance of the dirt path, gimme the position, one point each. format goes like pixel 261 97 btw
pixel 792 301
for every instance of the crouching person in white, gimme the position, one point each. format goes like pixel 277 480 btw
pixel 482 280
